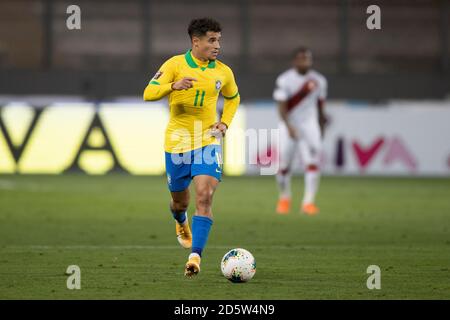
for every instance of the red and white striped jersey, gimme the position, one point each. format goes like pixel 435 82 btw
pixel 302 92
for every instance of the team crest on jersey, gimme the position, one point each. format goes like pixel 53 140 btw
pixel 157 75
pixel 218 85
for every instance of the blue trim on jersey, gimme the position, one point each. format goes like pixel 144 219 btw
pixel 182 167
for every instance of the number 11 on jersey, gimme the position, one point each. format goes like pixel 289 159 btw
pixel 198 93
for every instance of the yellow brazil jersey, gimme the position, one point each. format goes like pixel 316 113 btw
pixel 193 111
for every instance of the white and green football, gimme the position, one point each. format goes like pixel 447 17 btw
pixel 238 265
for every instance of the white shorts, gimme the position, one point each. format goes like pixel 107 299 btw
pixel 309 144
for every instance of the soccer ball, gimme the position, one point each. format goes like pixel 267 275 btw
pixel 238 265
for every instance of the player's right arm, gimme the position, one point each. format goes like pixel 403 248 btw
pixel 283 111
pixel 163 82
pixel 280 95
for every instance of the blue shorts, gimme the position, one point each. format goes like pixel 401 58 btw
pixel 182 167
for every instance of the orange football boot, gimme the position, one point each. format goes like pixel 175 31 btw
pixel 310 209
pixel 283 206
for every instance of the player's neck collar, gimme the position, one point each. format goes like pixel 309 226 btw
pixel 191 62
pixel 302 74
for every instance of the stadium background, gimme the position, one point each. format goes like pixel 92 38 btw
pixel 121 45
pixel 71 101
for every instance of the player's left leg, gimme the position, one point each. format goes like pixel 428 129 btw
pixel 310 148
pixel 202 221
pixel 287 148
pixel 206 178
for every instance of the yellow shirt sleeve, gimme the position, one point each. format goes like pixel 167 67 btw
pixel 231 97
pixel 161 83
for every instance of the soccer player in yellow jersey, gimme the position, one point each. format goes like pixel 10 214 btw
pixel 192 82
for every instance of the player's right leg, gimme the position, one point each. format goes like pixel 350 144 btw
pixel 287 148
pixel 178 180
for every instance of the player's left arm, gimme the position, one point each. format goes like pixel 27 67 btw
pixel 323 120
pixel 232 99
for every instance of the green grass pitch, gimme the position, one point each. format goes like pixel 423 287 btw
pixel 118 230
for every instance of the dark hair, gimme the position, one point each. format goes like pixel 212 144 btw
pixel 300 50
pixel 199 27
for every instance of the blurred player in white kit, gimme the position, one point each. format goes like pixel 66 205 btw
pixel 300 93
